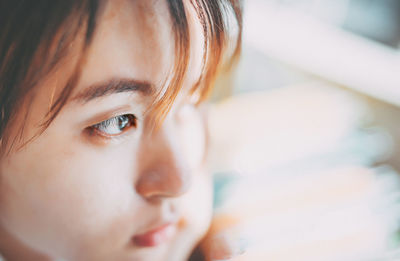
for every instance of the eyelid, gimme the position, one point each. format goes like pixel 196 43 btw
pixel 93 130
pixel 103 116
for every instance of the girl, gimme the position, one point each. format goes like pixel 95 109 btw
pixel 102 132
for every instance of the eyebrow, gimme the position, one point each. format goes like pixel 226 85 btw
pixel 113 86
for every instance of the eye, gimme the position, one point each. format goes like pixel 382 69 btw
pixel 114 126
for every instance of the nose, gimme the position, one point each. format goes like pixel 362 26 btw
pixel 163 171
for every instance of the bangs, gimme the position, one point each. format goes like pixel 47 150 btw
pixel 35 36
pixel 218 20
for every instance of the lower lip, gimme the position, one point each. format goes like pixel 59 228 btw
pixel 155 237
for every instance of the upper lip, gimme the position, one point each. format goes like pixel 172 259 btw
pixel 160 226
pixel 159 223
pixel 155 228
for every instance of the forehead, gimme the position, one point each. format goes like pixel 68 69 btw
pixel 135 39
pixel 132 39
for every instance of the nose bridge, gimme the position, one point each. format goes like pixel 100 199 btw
pixel 163 171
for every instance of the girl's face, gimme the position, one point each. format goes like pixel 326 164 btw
pixel 98 184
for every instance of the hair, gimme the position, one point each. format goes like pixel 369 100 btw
pixel 35 35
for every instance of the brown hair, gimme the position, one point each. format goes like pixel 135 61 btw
pixel 34 36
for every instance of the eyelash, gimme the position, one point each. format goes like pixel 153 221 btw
pixel 122 123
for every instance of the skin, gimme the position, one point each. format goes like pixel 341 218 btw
pixel 76 194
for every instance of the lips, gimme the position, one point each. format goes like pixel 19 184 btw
pixel 155 236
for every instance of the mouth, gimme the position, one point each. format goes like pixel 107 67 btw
pixel 156 236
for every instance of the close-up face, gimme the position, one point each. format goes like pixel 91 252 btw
pixel 102 182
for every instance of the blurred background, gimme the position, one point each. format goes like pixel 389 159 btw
pixel 306 141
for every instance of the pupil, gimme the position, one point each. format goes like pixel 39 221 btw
pixel 122 122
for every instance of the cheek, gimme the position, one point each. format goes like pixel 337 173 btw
pixel 192 133
pixel 69 191
pixel 61 196
pixel 198 205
